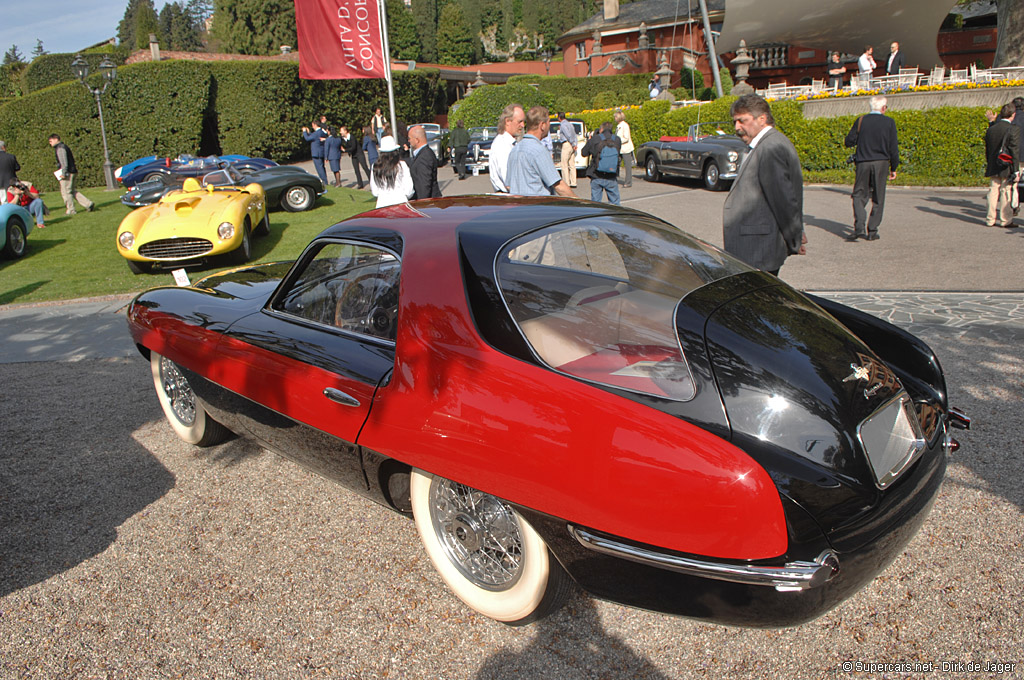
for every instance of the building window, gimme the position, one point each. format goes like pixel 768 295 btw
pixel 581 51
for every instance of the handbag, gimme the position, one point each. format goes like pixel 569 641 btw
pixel 1004 157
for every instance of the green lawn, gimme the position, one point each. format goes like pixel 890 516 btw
pixel 76 257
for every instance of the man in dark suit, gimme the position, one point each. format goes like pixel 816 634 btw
pixel 355 150
pixel 1001 134
pixel 9 168
pixel 763 219
pixel 895 61
pixel 423 166
pixel 876 158
pixel 316 137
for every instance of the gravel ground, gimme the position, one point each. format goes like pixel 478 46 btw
pixel 125 553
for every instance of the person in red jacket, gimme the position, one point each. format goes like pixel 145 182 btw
pixel 27 196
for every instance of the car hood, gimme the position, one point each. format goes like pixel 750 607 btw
pixel 277 171
pixel 187 214
pixel 246 283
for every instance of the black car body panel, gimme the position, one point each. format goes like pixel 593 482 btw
pixel 708 151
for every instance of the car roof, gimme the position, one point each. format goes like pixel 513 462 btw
pixel 477 219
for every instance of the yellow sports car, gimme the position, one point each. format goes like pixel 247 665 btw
pixel 187 227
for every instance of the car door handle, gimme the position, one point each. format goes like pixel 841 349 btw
pixel 340 397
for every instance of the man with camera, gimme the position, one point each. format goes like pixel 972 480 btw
pixel 9 168
pixel 27 196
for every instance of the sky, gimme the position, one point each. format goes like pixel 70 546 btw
pixel 62 25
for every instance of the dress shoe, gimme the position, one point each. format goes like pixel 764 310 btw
pixel 873 236
pixel 852 238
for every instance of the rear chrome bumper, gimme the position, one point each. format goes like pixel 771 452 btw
pixel 792 576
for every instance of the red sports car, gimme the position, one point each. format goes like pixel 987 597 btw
pixel 562 391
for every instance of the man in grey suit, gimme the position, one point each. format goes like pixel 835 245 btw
pixel 763 219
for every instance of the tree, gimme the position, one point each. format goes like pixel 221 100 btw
pixel 403 41
pixel 180 29
pixel 13 56
pixel 1010 22
pixel 425 14
pixel 139 21
pixel 454 41
pixel 254 26
pixel 38 51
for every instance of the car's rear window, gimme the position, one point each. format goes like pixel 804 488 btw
pixel 595 298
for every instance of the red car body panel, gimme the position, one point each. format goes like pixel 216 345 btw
pixel 657 479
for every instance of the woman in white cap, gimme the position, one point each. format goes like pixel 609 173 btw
pixel 390 180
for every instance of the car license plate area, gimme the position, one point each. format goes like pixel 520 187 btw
pixel 892 438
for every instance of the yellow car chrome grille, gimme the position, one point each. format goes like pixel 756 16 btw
pixel 175 248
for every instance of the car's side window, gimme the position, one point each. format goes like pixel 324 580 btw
pixel 349 286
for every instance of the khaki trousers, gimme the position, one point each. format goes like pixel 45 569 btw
pixel 1000 188
pixel 70 194
pixel 568 164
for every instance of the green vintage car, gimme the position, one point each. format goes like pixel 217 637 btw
pixel 290 188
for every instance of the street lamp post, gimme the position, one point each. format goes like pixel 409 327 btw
pixel 546 56
pixel 81 69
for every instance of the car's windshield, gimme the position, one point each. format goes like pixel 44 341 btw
pixel 712 129
pixel 223 177
pixel 482 133
pixel 595 298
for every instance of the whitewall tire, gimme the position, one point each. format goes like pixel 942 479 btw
pixel 490 557
pixel 183 410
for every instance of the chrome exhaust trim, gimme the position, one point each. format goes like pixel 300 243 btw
pixel 959 419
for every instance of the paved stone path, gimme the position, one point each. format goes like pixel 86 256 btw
pixel 955 310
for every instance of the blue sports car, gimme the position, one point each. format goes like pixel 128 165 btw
pixel 187 166
pixel 17 223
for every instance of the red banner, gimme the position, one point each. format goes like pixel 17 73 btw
pixel 339 39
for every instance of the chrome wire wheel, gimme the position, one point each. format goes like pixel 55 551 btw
pixel 184 411
pixel 479 534
pixel 180 395
pixel 486 551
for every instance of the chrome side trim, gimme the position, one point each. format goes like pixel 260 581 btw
pixel 792 576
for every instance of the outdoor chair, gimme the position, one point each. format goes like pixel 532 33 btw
pixel 957 75
pixel 937 76
pixel 908 78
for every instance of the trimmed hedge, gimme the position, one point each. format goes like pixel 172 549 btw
pixel 258 108
pixel 484 105
pixel 11 80
pixel 625 87
pixel 53 69
pixel 173 107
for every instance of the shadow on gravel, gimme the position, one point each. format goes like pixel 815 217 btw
pixel 568 645
pixel 984 369
pixel 71 471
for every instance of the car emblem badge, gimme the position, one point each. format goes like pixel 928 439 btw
pixel 859 373
pixel 864 373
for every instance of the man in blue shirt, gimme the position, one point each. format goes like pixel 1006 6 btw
pixel 531 172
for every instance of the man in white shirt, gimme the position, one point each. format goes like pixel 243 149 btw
pixel 866 62
pixel 510 126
